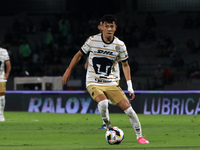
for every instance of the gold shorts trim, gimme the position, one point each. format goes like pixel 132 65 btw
pixel 2 87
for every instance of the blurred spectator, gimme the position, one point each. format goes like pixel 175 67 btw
pixel 45 24
pixel 37 67
pixel 177 61
pixel 191 45
pixel 35 57
pixel 150 36
pixel 8 37
pixel 25 50
pixel 16 67
pixel 64 26
pixel 188 23
pixel 16 26
pixel 28 25
pixel 159 77
pixel 150 21
pixel 48 39
pixel 193 70
pixel 168 40
pixel 165 46
pixel 168 76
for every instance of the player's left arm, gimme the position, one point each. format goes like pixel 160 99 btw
pixel 8 69
pixel 127 74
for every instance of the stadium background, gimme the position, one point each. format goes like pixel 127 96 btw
pixel 161 37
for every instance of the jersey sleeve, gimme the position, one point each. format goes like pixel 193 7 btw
pixel 6 56
pixel 85 49
pixel 123 53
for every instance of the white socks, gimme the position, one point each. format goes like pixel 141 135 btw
pixel 134 121
pixel 107 111
pixel 103 110
pixel 107 115
pixel 2 104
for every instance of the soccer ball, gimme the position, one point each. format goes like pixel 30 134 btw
pixel 114 136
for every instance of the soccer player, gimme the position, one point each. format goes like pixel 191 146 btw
pixel 4 60
pixel 116 72
pixel 104 49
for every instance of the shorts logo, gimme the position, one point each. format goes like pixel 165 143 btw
pixel 119 87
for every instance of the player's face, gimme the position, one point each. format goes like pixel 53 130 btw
pixel 109 29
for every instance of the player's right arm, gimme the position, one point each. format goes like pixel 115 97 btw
pixel 73 63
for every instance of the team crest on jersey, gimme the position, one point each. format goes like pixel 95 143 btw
pixel 117 48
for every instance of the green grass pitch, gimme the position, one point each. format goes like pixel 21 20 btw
pixel 46 131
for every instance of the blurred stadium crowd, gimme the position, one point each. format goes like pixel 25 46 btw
pixel 164 52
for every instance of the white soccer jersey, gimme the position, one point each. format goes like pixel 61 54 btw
pixel 3 58
pixel 116 71
pixel 101 59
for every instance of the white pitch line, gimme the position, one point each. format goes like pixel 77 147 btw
pixel 7 120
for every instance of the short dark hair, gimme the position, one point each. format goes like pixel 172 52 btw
pixel 109 18
pixel 100 21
